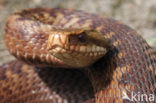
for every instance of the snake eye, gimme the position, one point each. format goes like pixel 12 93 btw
pixel 74 39
pixel 82 37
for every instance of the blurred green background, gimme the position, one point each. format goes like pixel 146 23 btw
pixel 138 14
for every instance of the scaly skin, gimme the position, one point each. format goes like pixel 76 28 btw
pixel 128 66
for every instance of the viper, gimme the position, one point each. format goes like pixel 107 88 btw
pixel 70 56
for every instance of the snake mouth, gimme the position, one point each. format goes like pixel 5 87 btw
pixel 78 58
pixel 79 50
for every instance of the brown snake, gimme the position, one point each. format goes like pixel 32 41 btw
pixel 69 56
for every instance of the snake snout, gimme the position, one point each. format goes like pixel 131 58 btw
pixel 56 42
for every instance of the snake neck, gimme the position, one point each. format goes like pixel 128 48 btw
pixel 109 77
pixel 101 76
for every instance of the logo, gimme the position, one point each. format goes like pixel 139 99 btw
pixel 138 97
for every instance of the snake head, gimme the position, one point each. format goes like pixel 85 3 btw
pixel 77 47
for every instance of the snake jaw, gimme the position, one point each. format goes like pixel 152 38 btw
pixel 77 49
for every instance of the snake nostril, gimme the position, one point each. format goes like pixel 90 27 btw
pixel 73 39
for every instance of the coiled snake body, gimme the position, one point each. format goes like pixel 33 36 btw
pixel 68 56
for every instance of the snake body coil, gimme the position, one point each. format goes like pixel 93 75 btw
pixel 124 62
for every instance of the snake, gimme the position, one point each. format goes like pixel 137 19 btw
pixel 71 56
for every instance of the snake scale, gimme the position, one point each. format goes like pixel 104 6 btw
pixel 70 56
